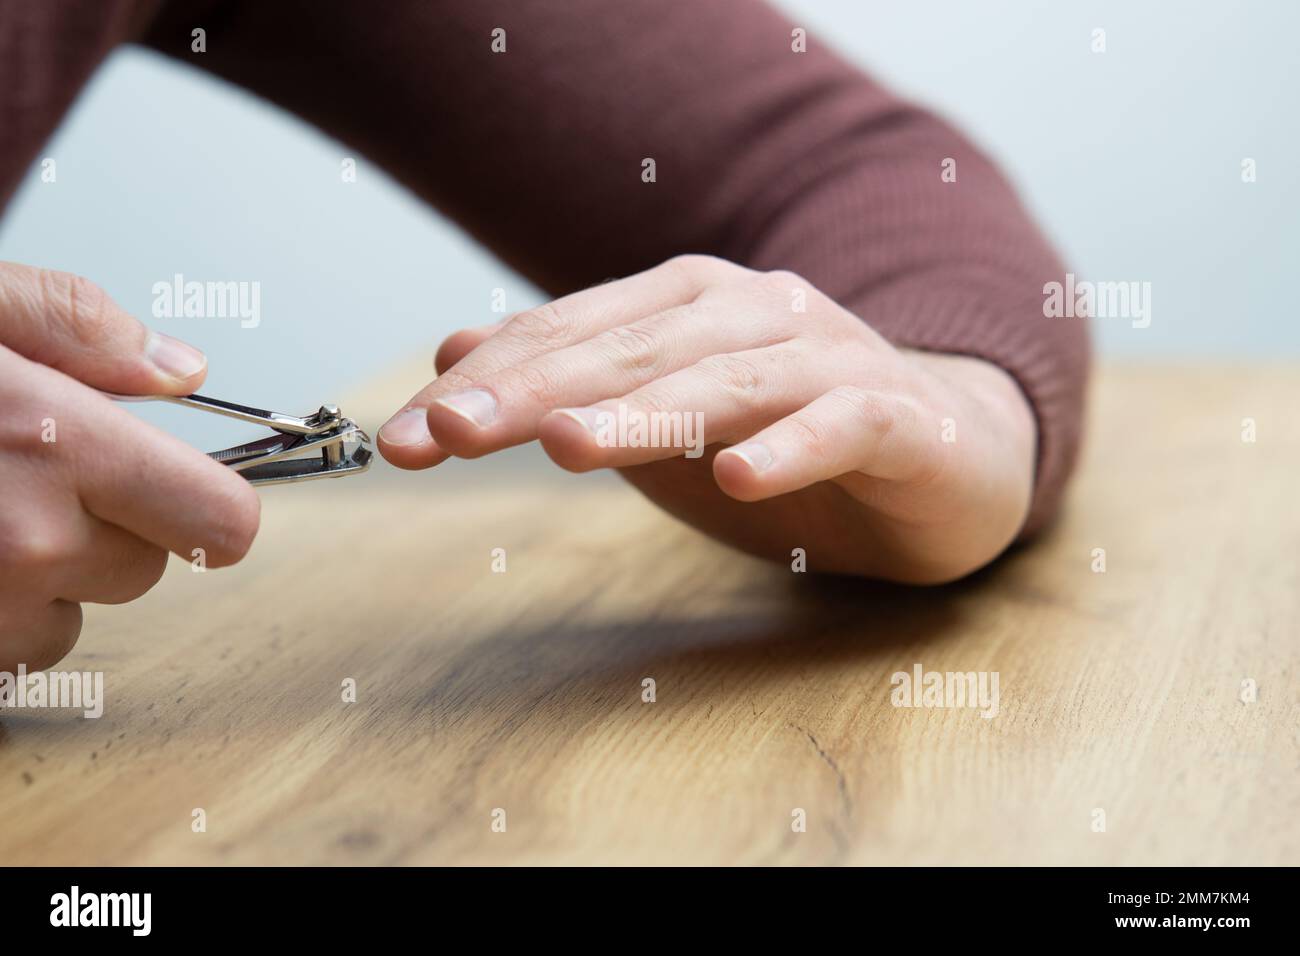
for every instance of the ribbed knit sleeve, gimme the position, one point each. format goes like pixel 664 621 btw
pixel 528 122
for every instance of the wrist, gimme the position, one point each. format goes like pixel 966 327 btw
pixel 995 424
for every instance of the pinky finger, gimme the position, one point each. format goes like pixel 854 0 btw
pixel 846 430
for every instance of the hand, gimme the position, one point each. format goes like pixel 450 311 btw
pixel 900 465
pixel 92 498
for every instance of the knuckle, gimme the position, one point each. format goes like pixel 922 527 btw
pixel 31 551
pixel 634 346
pixel 703 268
pixel 544 324
pixel 813 433
pixel 874 412
pixel 781 280
pixel 653 401
pixel 780 286
pixel 737 376
pixel 85 308
pixel 536 382
pixel 691 263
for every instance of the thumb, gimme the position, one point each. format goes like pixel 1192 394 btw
pixel 70 324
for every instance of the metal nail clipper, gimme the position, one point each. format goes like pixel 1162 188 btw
pixel 323 444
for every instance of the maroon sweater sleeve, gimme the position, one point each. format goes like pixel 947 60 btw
pixel 766 156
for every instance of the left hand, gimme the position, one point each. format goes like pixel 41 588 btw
pixel 902 465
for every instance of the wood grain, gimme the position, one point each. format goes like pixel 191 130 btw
pixel 522 691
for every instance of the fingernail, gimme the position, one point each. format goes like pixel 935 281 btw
pixel 173 357
pixel 477 405
pixel 757 455
pixel 408 427
pixel 588 418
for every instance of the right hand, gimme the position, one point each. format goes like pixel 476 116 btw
pixel 91 514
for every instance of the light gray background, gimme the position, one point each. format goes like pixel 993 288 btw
pixel 1131 159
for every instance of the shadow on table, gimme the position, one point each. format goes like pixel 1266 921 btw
pixel 814 626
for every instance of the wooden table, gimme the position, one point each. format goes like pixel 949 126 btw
pixel 522 691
